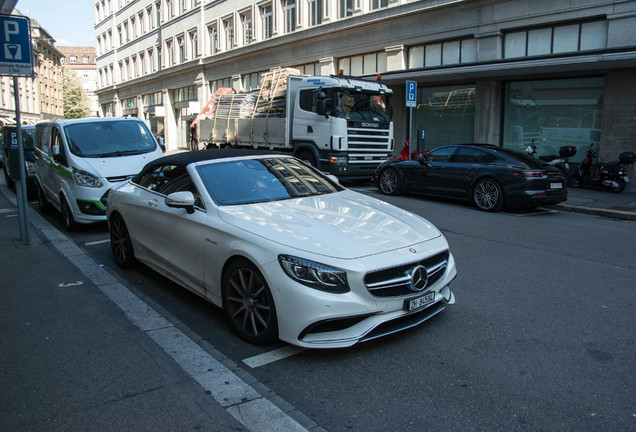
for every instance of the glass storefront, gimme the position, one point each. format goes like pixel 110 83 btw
pixel 552 114
pixel 444 115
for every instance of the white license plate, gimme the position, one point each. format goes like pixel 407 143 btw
pixel 420 302
pixel 556 185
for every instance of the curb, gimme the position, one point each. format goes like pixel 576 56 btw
pixel 612 214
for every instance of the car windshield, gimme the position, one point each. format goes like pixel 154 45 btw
pixel 249 181
pixel 362 106
pixel 102 139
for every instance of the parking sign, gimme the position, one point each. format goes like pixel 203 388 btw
pixel 15 46
pixel 411 94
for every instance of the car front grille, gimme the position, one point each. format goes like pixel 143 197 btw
pixel 396 281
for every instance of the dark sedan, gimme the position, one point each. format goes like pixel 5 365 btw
pixel 490 177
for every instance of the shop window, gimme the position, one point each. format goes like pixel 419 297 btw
pixel 553 113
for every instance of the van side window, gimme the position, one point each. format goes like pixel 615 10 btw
pixel 56 140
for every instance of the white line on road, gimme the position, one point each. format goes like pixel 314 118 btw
pixel 272 356
pixel 97 242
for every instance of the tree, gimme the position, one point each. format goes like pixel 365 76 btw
pixel 75 99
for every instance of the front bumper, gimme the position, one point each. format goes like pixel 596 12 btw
pixel 317 319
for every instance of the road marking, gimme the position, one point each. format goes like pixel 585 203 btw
pixel 97 242
pixel 272 356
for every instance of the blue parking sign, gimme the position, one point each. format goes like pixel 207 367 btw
pixel 411 94
pixel 15 46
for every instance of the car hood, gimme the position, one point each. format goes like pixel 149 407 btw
pixel 343 225
pixel 120 165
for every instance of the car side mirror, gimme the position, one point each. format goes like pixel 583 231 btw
pixel 183 199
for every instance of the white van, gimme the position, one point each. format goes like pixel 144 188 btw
pixel 79 161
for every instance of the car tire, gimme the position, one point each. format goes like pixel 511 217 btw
pixel 120 243
pixel 43 202
pixel 67 215
pixel 389 182
pixel 248 303
pixel 487 195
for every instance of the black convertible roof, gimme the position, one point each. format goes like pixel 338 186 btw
pixel 186 158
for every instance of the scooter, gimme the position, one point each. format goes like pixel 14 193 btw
pixel 609 175
pixel 560 161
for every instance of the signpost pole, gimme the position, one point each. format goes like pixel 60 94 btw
pixel 16 60
pixel 20 189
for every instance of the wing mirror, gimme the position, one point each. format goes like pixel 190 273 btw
pixel 183 199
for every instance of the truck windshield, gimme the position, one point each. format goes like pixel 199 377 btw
pixel 102 139
pixel 361 106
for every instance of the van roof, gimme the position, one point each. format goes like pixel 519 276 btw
pixel 64 122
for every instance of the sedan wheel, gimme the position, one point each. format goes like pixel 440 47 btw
pixel 248 303
pixel 389 182
pixel 487 195
pixel 120 242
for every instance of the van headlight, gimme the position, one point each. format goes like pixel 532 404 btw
pixel 315 275
pixel 83 178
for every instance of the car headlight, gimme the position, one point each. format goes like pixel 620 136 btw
pixel 315 275
pixel 83 178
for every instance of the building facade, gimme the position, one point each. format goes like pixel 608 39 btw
pixel 81 60
pixel 505 72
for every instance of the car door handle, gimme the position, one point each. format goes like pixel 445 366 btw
pixel 153 203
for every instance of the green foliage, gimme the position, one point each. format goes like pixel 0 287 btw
pixel 76 103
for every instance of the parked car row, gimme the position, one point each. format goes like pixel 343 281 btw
pixel 10 159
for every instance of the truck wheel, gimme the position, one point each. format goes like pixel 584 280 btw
pixel 307 156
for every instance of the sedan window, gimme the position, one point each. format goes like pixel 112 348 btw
pixel 248 181
pixel 440 155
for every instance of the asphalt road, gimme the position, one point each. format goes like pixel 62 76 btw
pixel 541 337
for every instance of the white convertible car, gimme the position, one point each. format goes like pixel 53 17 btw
pixel 286 251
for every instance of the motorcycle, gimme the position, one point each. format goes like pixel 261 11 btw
pixel 609 175
pixel 559 161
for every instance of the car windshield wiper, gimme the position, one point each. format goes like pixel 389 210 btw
pixel 121 153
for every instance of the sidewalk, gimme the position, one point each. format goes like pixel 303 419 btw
pixel 79 351
pixel 607 204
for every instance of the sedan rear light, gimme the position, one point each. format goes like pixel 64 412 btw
pixel 528 173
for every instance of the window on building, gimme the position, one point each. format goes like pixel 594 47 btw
pixel 148 18
pixel 193 40
pixel 220 83
pixel 169 54
pixel 267 21
pixel 151 61
pixel 345 8
pixel 315 12
pixel 377 4
pixel 246 23
pixel 134 73
pixel 213 38
pixel 558 39
pixel 84 59
pixel 553 112
pixel 181 49
pixel 133 28
pixel 169 10
pixel 72 59
pixel 185 94
pixel 121 35
pixel 228 26
pixel 289 6
pixel 157 13
pixel 251 81
pixel 142 23
pixel 142 64
pixel 367 64
pixel 442 53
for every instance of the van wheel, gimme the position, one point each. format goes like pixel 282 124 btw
pixel 67 216
pixel 43 203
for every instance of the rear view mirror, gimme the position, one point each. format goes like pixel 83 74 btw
pixel 183 199
pixel 321 103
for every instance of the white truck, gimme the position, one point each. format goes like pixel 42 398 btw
pixel 341 125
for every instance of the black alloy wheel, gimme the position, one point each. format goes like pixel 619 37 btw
pixel 248 303
pixel 389 182
pixel 487 195
pixel 120 242
pixel 67 216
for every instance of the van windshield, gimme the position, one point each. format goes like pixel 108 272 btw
pixel 102 139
